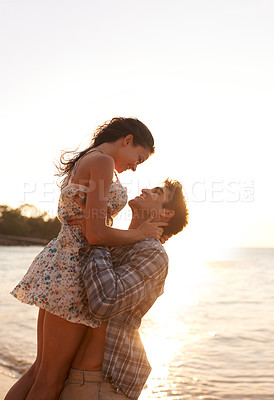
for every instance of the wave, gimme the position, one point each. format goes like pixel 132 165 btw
pixel 12 363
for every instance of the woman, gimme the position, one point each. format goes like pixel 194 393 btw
pixel 53 281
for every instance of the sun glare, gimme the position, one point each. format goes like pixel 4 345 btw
pixel 168 328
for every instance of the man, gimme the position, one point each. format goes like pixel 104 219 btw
pixel 122 284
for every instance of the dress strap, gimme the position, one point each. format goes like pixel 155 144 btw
pixel 117 179
pixel 91 150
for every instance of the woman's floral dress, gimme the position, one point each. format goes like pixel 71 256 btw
pixel 53 281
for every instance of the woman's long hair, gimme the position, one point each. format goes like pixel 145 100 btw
pixel 108 132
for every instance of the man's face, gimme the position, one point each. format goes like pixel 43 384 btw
pixel 150 201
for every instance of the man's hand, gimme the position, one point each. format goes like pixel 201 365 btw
pixel 77 220
pixel 152 229
pixel 80 219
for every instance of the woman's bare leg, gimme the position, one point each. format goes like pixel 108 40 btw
pixel 21 388
pixel 61 340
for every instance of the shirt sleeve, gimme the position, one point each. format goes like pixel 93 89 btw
pixel 112 291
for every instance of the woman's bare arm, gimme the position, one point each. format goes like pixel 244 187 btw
pixel 101 170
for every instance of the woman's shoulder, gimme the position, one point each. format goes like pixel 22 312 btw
pixel 97 159
pixel 95 164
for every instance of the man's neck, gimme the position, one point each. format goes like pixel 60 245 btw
pixel 137 219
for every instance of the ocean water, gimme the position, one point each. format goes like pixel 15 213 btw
pixel 210 336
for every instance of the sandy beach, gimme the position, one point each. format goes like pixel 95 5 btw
pixel 5 384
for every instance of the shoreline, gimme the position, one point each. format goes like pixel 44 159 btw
pixel 13 240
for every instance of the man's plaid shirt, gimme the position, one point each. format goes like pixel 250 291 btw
pixel 122 283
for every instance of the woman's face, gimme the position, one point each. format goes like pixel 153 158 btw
pixel 130 156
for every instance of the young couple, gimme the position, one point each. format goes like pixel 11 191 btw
pixel 79 284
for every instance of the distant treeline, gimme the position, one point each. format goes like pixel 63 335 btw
pixel 27 221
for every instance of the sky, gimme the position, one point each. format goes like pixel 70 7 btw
pixel 198 73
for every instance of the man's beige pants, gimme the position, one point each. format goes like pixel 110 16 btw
pixel 88 385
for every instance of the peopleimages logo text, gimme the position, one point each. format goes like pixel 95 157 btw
pixel 198 191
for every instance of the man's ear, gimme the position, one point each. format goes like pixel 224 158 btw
pixel 169 213
pixel 166 214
